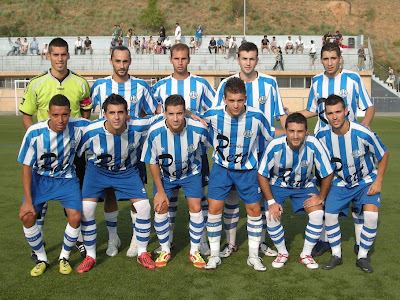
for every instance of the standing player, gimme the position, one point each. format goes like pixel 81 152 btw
pixel 58 80
pixel 349 86
pixel 141 102
pixel 48 173
pixel 199 96
pixel 111 145
pixel 175 146
pixel 262 93
pixel 287 171
pixel 361 160
pixel 235 131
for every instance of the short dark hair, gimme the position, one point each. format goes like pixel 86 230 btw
pixel 247 46
pixel 59 100
pixel 174 100
pixel 333 100
pixel 179 47
pixel 58 42
pixel 120 48
pixel 115 99
pixel 331 47
pixel 235 85
pixel 296 118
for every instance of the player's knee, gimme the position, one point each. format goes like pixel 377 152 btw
pixel 74 218
pixel 253 210
pixel 28 220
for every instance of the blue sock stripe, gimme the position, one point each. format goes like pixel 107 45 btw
pixel 195 241
pixel 311 240
pixel 279 240
pixel 66 247
pixel 336 243
pixel 69 238
pixel 164 240
pixel 142 221
pixel 197 233
pixel 142 230
pixel 274 236
pixel 34 238
pixel 89 243
pixel 214 234
pixel 231 216
pixel 162 223
pixel 89 232
pixel 252 233
pixel 214 224
pixel 196 225
pixel 143 239
pixel 40 222
pixel 315 226
pixel 230 225
pixel 312 232
pixel 366 238
pixel 365 246
pixel 370 230
pixel 231 206
pixel 255 226
pixel 37 247
pixel 329 228
pixel 332 235
pixel 88 223
pixel 272 229
pixel 163 231
pixel 111 224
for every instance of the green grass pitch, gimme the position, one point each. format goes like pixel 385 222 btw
pixel 121 277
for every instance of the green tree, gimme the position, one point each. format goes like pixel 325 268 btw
pixel 151 17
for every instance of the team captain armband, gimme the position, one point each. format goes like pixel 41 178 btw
pixel 86 103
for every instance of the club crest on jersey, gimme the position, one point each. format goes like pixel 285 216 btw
pixel 134 99
pixel 343 93
pixel 303 164
pixel 247 134
pixel 191 148
pixel 262 99
pixel 356 153
pixel 193 95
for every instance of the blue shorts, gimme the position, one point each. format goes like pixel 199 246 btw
pixel 222 180
pixel 192 187
pixel 338 199
pixel 126 184
pixel 297 196
pixel 65 190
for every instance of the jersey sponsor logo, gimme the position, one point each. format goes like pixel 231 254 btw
pixel 247 134
pixel 224 143
pixel 262 99
pixel 134 99
pixel 193 95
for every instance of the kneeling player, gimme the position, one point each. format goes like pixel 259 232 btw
pixel 235 130
pixel 111 146
pixel 48 173
pixel 176 145
pixel 286 171
pixel 361 159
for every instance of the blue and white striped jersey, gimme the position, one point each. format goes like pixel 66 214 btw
pixel 196 91
pixel 115 152
pixel 295 169
pixel 262 93
pixel 135 91
pixel 50 153
pixel 354 153
pixel 178 155
pixel 236 140
pixel 347 84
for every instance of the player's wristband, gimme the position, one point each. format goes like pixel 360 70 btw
pixel 270 202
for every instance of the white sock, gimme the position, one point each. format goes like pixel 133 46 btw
pixel 111 219
pixel 254 228
pixel 35 241
pixel 277 234
pixel 368 233
pixel 88 227
pixel 142 225
pixel 161 225
pixel 231 216
pixel 70 237
pixel 332 228
pixel 133 218
pixel 358 220
pixel 313 231
pixel 214 230
pixel 196 229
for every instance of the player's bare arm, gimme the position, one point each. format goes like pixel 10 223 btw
pixel 369 115
pixel 376 186
pixel 160 198
pixel 275 210
pixel 26 207
pixel 318 199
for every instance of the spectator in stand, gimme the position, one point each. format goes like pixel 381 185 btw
pixel 313 54
pixel 274 45
pixel 198 36
pixel 338 38
pixel 15 47
pixel 232 48
pixel 226 44
pixel 265 44
pixel 167 45
pixel 34 47
pixel 143 46
pixel 220 45
pixel 278 59
pixel 243 40
pixel 158 47
pixel 178 33
pixel 391 78
pixel 289 45
pixel 299 45
pixel 129 36
pixel 151 45
pixel 78 46
pixel 24 46
pixel 162 33
pixel 212 45
pixel 361 58
pixel 192 45
pixel 87 46
pixel 136 44
pixel 44 51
